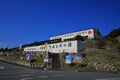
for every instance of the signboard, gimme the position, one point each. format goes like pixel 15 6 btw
pixel 45 60
pixel 27 57
pixel 68 59
pixel 89 32
pixel 77 59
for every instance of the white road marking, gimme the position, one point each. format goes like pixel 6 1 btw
pixel 2 67
pixel 109 79
pixel 26 79
pixel 47 71
pixel 14 76
pixel 58 75
pixel 43 76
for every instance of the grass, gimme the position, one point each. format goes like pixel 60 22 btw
pixel 90 43
pixel 10 57
pixel 37 61
pixel 104 56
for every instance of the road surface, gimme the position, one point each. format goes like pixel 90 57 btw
pixel 14 72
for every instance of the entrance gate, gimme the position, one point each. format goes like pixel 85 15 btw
pixel 55 61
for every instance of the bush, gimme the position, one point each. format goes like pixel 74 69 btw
pixel 101 43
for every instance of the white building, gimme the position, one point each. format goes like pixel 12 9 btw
pixel 68 44
pixel 68 47
pixel 89 33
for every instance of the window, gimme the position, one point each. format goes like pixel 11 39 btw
pixel 60 45
pixel 53 46
pixel 85 37
pixel 64 45
pixel 56 46
pixel 79 33
pixel 69 44
pixel 82 32
pixel 85 32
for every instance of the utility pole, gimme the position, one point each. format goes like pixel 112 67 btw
pixel 46 44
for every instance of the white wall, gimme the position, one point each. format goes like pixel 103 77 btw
pixel 73 34
pixel 69 47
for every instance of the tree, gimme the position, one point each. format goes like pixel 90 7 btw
pixel 79 37
pixel 1 49
pixel 113 34
pixel 118 46
pixel 6 49
pixel 114 41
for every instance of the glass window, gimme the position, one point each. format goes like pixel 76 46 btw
pixel 60 45
pixel 56 46
pixel 69 44
pixel 82 32
pixel 53 46
pixel 64 45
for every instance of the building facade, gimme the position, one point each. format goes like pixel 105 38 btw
pixel 67 47
pixel 89 34
pixel 66 42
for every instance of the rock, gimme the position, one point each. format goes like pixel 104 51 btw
pixel 104 67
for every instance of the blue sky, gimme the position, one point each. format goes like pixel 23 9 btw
pixel 27 21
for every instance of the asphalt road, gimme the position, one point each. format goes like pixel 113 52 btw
pixel 14 72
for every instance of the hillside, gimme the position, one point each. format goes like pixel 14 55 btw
pixel 111 39
pixel 103 54
pixel 102 60
pixel 113 34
